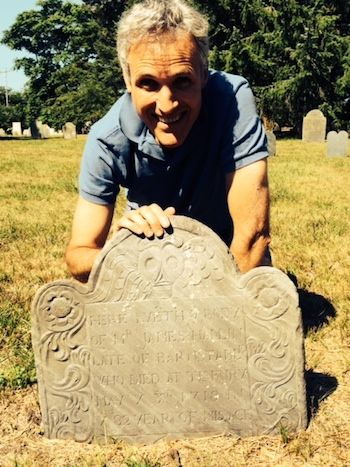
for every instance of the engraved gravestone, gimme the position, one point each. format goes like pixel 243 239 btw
pixel 69 131
pixel 167 339
pixel 314 127
pixel 337 143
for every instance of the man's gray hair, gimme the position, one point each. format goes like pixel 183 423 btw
pixel 151 18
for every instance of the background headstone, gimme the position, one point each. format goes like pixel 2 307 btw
pixel 69 131
pixel 16 129
pixel 167 339
pixel 314 127
pixel 26 132
pixel 271 143
pixel 2 132
pixel 337 143
pixel 45 131
pixel 36 129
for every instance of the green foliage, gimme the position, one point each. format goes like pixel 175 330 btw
pixel 14 111
pixel 295 54
pixel 74 75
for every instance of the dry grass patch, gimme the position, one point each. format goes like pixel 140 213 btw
pixel 310 231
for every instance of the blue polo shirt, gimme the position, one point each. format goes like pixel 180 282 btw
pixel 228 135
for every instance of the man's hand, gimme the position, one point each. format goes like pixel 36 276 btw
pixel 149 220
pixel 248 202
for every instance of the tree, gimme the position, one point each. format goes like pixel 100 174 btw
pixel 296 54
pixel 72 67
pixel 15 110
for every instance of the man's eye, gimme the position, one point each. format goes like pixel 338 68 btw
pixel 182 82
pixel 148 84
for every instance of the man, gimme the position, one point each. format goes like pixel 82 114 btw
pixel 182 140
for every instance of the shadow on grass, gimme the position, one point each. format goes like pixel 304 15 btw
pixel 316 311
pixel 318 387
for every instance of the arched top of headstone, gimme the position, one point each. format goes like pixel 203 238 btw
pixel 168 339
pixel 337 143
pixel 315 113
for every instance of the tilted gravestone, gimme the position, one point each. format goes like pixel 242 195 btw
pixel 69 131
pixel 337 143
pixel 167 339
pixel 314 127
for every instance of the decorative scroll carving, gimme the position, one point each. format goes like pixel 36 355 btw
pixel 168 339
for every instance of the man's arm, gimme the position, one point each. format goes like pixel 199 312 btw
pixel 91 225
pixel 90 229
pixel 248 202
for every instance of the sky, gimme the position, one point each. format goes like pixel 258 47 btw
pixel 9 9
pixel 14 80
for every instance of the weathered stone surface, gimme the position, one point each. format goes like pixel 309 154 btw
pixel 271 143
pixel 167 339
pixel 16 129
pixel 337 143
pixel 69 131
pixel 314 127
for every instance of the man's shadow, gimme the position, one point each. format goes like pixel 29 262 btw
pixel 316 311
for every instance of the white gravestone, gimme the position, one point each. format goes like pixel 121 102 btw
pixel 314 127
pixel 69 131
pixel 16 129
pixel 337 143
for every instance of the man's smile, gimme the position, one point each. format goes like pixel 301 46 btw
pixel 170 119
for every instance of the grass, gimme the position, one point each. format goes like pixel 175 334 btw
pixel 310 223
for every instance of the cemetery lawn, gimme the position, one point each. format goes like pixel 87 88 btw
pixel 310 224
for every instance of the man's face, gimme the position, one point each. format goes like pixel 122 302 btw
pixel 166 81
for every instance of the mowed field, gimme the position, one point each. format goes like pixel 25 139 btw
pixel 310 223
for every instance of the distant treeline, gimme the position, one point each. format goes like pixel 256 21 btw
pixel 295 53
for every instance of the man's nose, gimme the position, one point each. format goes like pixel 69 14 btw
pixel 166 100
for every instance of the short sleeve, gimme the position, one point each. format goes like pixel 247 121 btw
pixel 245 139
pixel 97 181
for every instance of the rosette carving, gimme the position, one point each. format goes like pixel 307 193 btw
pixel 271 298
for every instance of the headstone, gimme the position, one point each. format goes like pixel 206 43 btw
pixel 314 127
pixel 337 143
pixel 16 129
pixel 27 133
pixel 69 131
pixel 271 143
pixel 2 132
pixel 45 131
pixel 35 127
pixel 168 339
